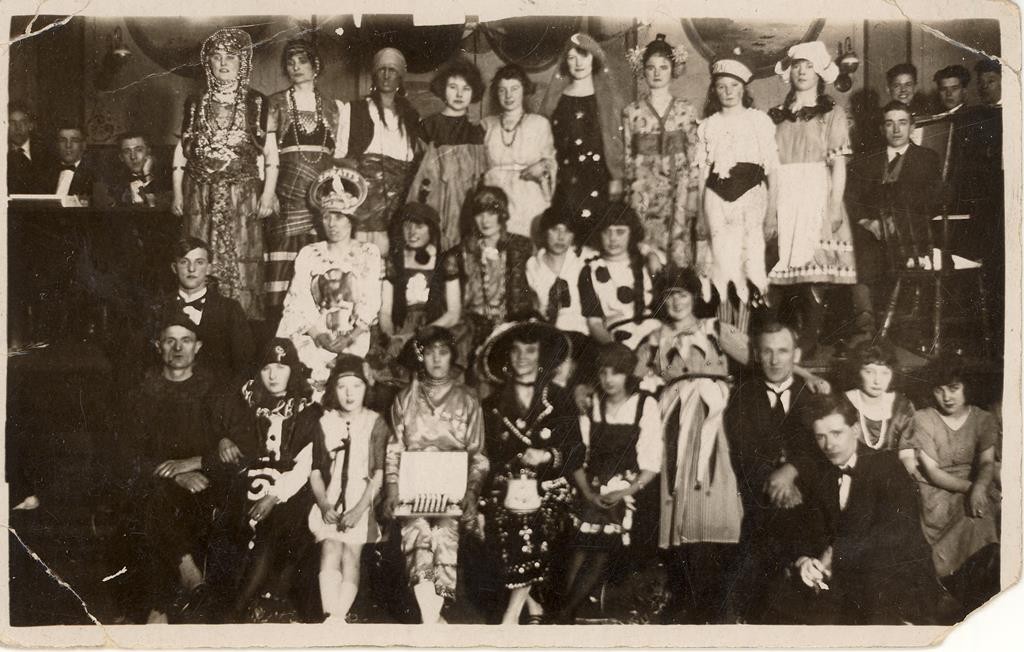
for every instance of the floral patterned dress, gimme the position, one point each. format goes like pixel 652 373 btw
pixel 222 143
pixel 661 179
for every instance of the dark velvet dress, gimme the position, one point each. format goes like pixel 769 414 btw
pixel 582 182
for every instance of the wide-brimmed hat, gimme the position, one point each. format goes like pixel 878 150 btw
pixel 555 347
pixel 338 189
pixel 816 53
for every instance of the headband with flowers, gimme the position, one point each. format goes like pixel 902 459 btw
pixel 677 54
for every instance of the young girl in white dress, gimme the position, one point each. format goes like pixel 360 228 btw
pixel 348 471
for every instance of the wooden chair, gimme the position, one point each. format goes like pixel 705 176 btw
pixel 909 245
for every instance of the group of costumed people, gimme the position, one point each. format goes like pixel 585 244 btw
pixel 511 283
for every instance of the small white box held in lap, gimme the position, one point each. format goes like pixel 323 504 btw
pixel 431 483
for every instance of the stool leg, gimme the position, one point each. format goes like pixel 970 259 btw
pixel 890 310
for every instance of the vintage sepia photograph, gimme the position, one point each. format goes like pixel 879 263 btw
pixel 349 323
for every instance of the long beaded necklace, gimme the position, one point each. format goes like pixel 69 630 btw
pixel 514 130
pixel 208 110
pixel 488 306
pixel 877 444
pixel 297 125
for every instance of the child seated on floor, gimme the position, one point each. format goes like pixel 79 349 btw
pixel 954 447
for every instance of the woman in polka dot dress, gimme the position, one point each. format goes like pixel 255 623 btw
pixel 616 290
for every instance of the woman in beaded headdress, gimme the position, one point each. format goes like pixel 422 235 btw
pixel 216 176
pixel 585 109
pixel 302 125
pixel 660 135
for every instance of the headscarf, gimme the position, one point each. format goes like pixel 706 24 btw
pixel 232 40
pixel 389 57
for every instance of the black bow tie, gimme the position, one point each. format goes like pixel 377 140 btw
pixel 65 166
pixel 195 304
pixel 845 470
pixel 142 176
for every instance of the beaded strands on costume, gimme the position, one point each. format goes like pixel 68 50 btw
pixel 293 111
pixel 514 130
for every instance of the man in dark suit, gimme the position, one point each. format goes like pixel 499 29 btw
pixel 71 174
pixel 228 346
pixel 141 180
pixel 765 434
pixel 857 555
pixel 24 161
pixel 902 181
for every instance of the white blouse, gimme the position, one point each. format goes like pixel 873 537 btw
pixel 649 446
pixel 540 277
pixel 725 140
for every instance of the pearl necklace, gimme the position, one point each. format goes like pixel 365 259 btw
pixel 877 444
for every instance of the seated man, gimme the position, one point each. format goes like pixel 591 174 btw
pixel 765 433
pixel 903 182
pixel 24 162
pixel 857 555
pixel 140 180
pixel 220 322
pixel 168 427
pixel 72 174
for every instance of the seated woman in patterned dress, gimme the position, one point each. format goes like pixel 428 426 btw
pixel 534 446
pixel 334 296
pixel 411 274
pixel 437 413
pixel 484 276
pixel 264 457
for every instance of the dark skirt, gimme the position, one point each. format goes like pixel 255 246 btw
pixel 525 540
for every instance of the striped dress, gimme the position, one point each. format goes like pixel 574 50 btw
pixel 305 150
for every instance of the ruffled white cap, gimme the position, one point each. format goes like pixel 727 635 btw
pixel 816 53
